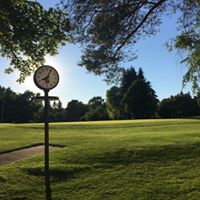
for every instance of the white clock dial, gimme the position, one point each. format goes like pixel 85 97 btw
pixel 46 77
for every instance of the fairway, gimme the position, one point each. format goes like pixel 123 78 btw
pixel 108 160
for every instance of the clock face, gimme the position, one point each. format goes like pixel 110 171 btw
pixel 46 77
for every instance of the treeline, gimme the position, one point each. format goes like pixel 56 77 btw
pixel 19 107
pixel 133 98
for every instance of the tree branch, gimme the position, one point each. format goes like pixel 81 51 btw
pixel 139 25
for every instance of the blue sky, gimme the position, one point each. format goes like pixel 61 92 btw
pixel 160 67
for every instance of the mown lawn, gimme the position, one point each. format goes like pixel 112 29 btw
pixel 118 160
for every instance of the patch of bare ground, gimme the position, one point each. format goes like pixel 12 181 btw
pixel 19 154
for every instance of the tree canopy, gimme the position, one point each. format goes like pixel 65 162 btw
pixel 114 103
pixel 140 101
pixel 110 29
pixel 180 105
pixel 28 32
pixel 135 97
pixel 97 110
pixel 75 110
pixel 18 107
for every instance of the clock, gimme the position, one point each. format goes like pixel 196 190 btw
pixel 46 77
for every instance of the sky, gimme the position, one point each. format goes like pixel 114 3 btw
pixel 160 67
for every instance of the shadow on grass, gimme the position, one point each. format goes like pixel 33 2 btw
pixel 152 154
pixel 121 156
pixel 58 172
pixel 3 179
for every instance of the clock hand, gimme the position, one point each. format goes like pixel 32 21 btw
pixel 49 72
pixel 46 77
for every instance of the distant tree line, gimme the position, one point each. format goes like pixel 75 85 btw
pixel 133 98
pixel 180 105
pixel 19 107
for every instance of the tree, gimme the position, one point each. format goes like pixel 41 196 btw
pixel 114 103
pixel 57 112
pixel 188 42
pixel 180 105
pixel 135 97
pixel 2 104
pixel 140 101
pixel 128 77
pixel 28 32
pixel 26 107
pixel 97 110
pixel 109 30
pixel 140 75
pixel 8 106
pixel 18 107
pixel 75 110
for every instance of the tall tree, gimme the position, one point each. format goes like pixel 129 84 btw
pixel 114 103
pixel 18 107
pixel 135 97
pixel 28 32
pixel 128 77
pixel 140 74
pixel 110 29
pixel 57 112
pixel 26 107
pixel 8 106
pixel 97 110
pixel 140 101
pixel 75 110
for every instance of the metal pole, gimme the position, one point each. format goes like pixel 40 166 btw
pixel 2 109
pixel 46 116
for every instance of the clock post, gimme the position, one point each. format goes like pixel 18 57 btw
pixel 46 78
pixel 46 147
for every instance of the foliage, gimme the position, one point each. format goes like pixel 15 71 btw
pixel 109 31
pixel 18 107
pixel 187 42
pixel 26 107
pixel 118 160
pixel 128 77
pixel 28 32
pixel 135 97
pixel 140 101
pixel 7 97
pixel 180 105
pixel 114 104
pixel 107 28
pixel 140 74
pixel 75 110
pixel 57 112
pixel 97 110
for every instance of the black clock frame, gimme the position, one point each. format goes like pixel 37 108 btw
pixel 37 84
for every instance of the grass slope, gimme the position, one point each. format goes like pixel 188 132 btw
pixel 116 160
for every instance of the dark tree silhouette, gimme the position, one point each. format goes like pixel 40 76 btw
pixel 135 97
pixel 97 110
pixel 75 110
pixel 128 77
pixel 114 103
pixel 180 105
pixel 140 101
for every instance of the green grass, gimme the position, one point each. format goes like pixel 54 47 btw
pixel 115 160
